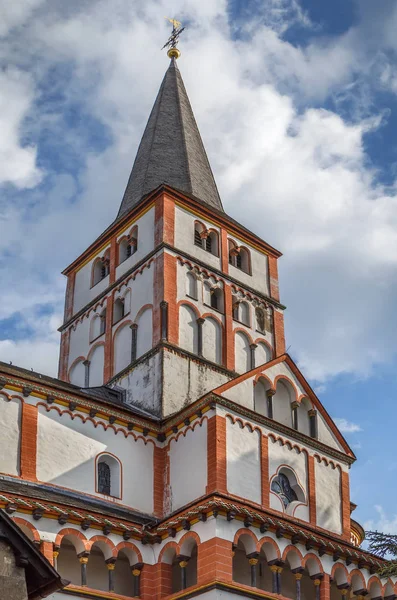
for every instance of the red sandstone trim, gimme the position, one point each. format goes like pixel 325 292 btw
pixel 265 471
pixel 216 455
pixel 28 450
pixel 214 561
pixel 273 278
pixel 312 490
pixel 345 488
pixel 108 362
pixel 279 337
pixel 170 296
pixel 159 474
pixel 47 550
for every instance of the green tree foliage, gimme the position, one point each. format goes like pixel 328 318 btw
pixel 384 545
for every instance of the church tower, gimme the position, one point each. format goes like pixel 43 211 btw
pixel 181 453
pixel 175 297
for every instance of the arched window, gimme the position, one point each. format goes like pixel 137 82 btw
pixel 233 253
pixel 281 486
pixel 118 310
pixel 285 485
pixel 100 269
pixel 128 246
pixel 211 243
pixel 199 229
pixel 191 285
pixel 235 307
pixel 243 260
pixel 217 299
pixel 104 478
pixel 108 476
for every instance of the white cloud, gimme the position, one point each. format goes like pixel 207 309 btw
pixel 295 173
pixel 383 522
pixel 346 426
pixel 17 162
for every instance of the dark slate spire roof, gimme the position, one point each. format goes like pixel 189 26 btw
pixel 171 150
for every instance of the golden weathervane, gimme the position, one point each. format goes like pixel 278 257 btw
pixel 172 42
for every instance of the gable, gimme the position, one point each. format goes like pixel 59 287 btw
pixel 288 385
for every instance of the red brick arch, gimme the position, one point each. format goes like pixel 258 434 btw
pixel 188 535
pixel 129 546
pixel 35 534
pixel 103 540
pixel 73 532
pixel 247 532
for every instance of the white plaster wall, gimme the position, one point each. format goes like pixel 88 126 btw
pixel 184 236
pixel 188 466
pixel 143 384
pixel 243 462
pixel 185 380
pixel 242 394
pixel 97 359
pixel 328 497
pixel 241 353
pixel 259 263
pixel 282 455
pixel 325 435
pixel 83 292
pixel 10 429
pixel 212 341
pixel 145 241
pixel 66 456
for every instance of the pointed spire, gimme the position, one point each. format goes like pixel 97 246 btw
pixel 171 150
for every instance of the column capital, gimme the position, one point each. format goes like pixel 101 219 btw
pixel 86 363
pixel 182 560
pixel 134 326
pixel 294 404
pixel 136 569
pixel 312 412
pixel 200 321
pixel 270 393
pixel 253 346
pixel 83 557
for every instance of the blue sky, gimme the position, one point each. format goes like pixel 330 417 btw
pixel 297 104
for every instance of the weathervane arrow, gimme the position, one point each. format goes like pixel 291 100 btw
pixel 172 42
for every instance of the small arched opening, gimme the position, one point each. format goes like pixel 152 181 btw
pixel 191 285
pixel 108 476
pixel 68 564
pixel 118 310
pixel 261 403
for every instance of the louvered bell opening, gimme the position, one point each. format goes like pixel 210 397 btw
pixel 197 239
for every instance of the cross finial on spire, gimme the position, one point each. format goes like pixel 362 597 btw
pixel 171 44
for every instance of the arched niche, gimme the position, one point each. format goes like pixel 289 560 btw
pixel 212 340
pixel 144 332
pixel 242 361
pixel 188 329
pixel 122 348
pixel 282 400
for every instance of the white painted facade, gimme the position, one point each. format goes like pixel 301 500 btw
pixel 10 429
pixel 188 455
pixel 243 461
pixel 68 450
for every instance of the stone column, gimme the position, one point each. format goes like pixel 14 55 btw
pixel 134 337
pixel 274 569
pixel 164 320
pixel 295 421
pixel 269 396
pixel 317 583
pixel 200 323
pixel 253 561
pixel 86 364
pixel 136 572
pixel 298 577
pixel 183 562
pixel 83 558
pixel 279 571
pixel 252 355
pixel 313 423
pixel 55 555
pixel 111 564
